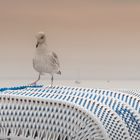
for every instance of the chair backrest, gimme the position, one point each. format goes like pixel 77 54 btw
pixel 67 113
pixel 29 117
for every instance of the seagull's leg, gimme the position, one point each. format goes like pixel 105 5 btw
pixel 34 83
pixel 52 81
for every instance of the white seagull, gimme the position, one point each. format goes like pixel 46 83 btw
pixel 45 61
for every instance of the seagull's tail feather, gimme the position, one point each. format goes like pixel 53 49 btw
pixel 59 72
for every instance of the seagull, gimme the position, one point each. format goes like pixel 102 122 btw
pixel 45 61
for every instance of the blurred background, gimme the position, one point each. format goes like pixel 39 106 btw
pixel 94 39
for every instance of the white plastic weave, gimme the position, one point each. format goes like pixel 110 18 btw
pixel 29 117
pixel 67 113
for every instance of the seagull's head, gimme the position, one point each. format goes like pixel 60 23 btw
pixel 41 38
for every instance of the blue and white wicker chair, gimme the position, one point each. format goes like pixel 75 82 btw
pixel 67 113
pixel 42 118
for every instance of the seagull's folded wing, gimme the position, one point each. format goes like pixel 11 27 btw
pixel 54 59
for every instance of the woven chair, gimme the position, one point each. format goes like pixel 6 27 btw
pixel 68 113
pixel 34 117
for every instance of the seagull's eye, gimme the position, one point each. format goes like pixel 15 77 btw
pixel 41 37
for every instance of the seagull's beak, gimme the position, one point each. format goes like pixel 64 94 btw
pixel 37 44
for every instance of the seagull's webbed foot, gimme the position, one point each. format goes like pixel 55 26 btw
pixel 35 82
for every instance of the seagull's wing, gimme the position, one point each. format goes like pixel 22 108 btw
pixel 54 59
